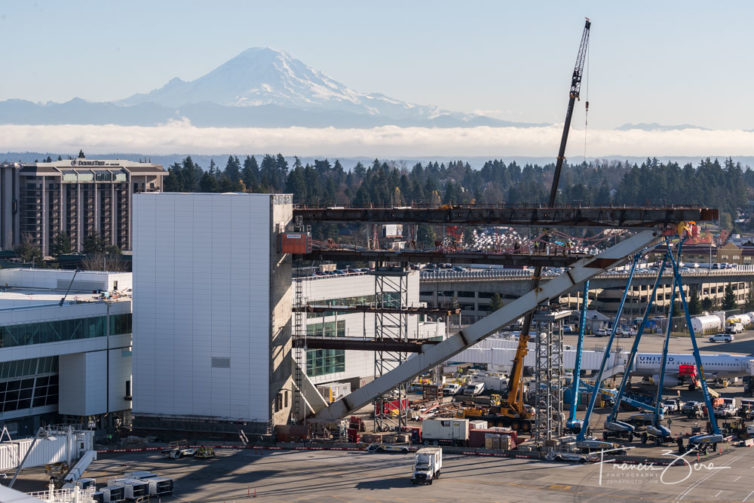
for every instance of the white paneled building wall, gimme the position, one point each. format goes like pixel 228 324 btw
pixel 203 320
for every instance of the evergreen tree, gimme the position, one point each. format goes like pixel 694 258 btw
pixel 729 301
pixel 695 305
pixel 233 169
pixel 61 244
pixel 94 243
pixel 707 304
pixel 29 251
pixel 496 302
pixel 208 182
pixel 250 174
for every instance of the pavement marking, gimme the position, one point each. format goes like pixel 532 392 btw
pixel 559 487
pixel 736 479
pixel 718 493
pixel 748 496
pixel 696 484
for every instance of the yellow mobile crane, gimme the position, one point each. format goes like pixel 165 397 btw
pixel 513 409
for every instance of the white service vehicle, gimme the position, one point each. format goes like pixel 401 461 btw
pixel 727 408
pixel 451 389
pixel 474 389
pixel 427 465
pixel 727 337
pixel 734 328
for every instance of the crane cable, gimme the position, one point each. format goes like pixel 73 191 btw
pixel 586 101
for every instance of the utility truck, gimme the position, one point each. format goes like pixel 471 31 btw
pixel 427 465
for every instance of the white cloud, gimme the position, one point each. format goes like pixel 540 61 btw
pixel 182 137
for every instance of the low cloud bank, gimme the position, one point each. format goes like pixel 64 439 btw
pixel 388 141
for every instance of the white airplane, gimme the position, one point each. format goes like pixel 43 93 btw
pixel 721 365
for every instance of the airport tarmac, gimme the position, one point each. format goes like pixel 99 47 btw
pixel 652 343
pixel 285 476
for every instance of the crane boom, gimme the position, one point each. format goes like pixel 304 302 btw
pixel 514 405
pixel 573 95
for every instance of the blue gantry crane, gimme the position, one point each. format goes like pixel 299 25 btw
pixel 573 424
pixel 661 433
pixel 606 355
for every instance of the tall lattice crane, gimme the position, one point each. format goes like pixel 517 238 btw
pixel 514 403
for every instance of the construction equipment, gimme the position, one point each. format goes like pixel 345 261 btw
pixel 62 301
pixel 204 452
pixel 178 449
pixel 432 355
pixel 701 442
pixel 655 430
pixel 573 424
pixel 513 408
pixel 615 427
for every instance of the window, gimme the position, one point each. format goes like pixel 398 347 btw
pixel 63 330
pixel 325 361
pixel 20 389
pixel 278 402
pixel 285 399
pixel 128 389
pixel 327 329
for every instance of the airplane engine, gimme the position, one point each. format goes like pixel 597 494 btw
pixel 669 382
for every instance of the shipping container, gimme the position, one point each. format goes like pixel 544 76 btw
pixel 445 430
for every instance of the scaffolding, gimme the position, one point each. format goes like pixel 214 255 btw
pixel 298 347
pixel 549 376
pixel 299 351
pixel 390 325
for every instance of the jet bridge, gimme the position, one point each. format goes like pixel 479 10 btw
pixel 430 356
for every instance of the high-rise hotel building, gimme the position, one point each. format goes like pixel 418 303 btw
pixel 80 197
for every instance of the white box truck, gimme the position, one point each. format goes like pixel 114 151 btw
pixel 445 431
pixel 427 465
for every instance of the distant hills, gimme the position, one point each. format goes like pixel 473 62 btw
pixel 653 126
pixel 260 87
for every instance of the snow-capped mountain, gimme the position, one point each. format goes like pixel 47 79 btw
pixel 263 76
pixel 259 87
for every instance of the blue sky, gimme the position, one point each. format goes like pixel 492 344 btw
pixel 667 62
pixel 670 63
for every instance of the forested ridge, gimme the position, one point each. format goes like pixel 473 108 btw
pixel 724 185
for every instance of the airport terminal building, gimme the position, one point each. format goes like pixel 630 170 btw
pixel 69 360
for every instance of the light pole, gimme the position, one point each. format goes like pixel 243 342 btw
pixel 107 365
